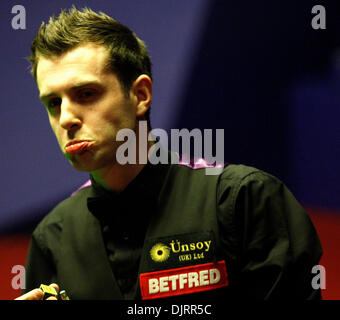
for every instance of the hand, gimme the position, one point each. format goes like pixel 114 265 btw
pixel 37 294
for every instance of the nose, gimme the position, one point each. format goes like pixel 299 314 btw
pixel 69 117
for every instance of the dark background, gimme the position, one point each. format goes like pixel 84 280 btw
pixel 256 69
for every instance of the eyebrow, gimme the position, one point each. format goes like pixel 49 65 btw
pixel 74 87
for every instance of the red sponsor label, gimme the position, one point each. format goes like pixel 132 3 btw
pixel 191 279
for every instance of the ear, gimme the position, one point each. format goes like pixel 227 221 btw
pixel 141 90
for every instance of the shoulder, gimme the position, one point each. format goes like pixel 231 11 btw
pixel 237 178
pixel 234 173
pixel 248 199
pixel 241 174
pixel 225 183
pixel 251 191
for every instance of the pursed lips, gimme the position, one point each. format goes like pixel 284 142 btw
pixel 78 146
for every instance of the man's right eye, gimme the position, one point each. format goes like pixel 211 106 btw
pixel 55 102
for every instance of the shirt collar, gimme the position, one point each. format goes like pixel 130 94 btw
pixel 138 201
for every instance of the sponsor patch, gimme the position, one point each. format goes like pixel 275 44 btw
pixel 185 280
pixel 179 250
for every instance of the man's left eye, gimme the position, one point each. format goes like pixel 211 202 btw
pixel 86 94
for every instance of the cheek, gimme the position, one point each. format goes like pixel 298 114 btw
pixel 122 118
pixel 128 116
pixel 54 130
pixel 57 132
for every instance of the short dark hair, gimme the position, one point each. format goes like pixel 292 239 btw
pixel 129 57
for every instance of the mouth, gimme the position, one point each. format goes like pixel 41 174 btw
pixel 77 147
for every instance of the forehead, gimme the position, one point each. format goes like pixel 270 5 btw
pixel 87 62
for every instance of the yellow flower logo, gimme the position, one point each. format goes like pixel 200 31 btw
pixel 159 252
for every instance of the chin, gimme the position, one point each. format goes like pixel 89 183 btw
pixel 80 163
pixel 89 163
pixel 81 167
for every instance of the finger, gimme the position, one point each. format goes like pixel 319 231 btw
pixel 51 298
pixel 55 286
pixel 35 294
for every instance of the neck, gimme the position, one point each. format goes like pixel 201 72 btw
pixel 117 177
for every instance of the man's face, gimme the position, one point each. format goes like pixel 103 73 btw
pixel 86 105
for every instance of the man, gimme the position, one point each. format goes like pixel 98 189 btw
pixel 144 231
